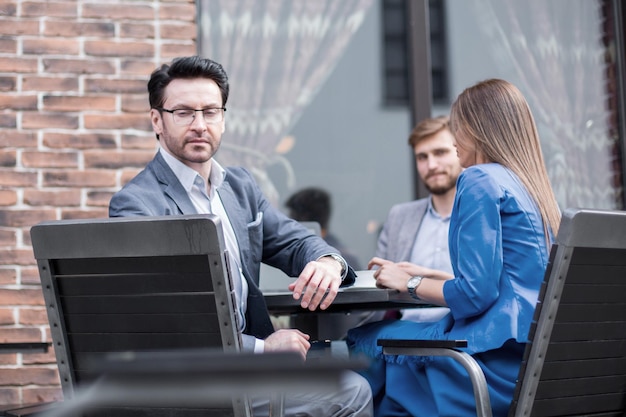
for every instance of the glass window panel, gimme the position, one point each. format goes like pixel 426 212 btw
pixel 306 107
pixel 559 54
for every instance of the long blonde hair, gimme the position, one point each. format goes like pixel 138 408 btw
pixel 496 117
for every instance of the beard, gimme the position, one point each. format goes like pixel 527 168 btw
pixel 186 151
pixel 443 188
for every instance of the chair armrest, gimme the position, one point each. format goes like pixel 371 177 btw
pixel 445 348
pixel 416 343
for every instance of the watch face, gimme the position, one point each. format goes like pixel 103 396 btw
pixel 414 282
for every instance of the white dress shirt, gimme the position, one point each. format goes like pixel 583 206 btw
pixel 206 200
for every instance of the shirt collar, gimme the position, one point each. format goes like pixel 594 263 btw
pixel 187 175
pixel 431 210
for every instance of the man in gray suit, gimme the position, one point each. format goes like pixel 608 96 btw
pixel 187 101
pixel 415 234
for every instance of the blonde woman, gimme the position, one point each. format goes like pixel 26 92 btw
pixel 501 228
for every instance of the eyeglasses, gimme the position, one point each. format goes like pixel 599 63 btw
pixel 185 117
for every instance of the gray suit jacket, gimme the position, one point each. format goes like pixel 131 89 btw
pixel 264 233
pixel 400 229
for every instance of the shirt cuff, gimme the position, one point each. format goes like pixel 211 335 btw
pixel 259 345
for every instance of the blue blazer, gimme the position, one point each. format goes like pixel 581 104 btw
pixel 264 233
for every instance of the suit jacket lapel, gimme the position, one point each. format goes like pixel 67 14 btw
pixel 172 187
pixel 410 227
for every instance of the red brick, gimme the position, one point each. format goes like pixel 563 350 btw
pixel 79 140
pixel 118 11
pixel 31 120
pixel 47 358
pixel 50 46
pixel 25 231
pixel 74 178
pixel 8 46
pixel 180 12
pixel 8 120
pixel 8 8
pixel 83 214
pixel 116 86
pixel 8 158
pixel 17 179
pixel 78 66
pixel 19 27
pixel 7 359
pixel 14 334
pixel 33 159
pixel 184 31
pixel 8 83
pixel 18 102
pixel 56 198
pixel 29 376
pixel 30 275
pixel 15 139
pixel 41 395
pixel 17 257
pixel 99 198
pixel 41 84
pixel 6 317
pixel 136 103
pixel 8 238
pixel 137 30
pixel 116 159
pixel 78 103
pixel 50 9
pixel 9 395
pixel 147 141
pixel 8 276
pixel 8 197
pixel 21 297
pixel 174 50
pixel 19 65
pixel 137 67
pixel 69 29
pixel 29 316
pixel 118 121
pixel 109 48
pixel 22 218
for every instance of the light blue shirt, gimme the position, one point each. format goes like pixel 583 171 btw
pixel 431 243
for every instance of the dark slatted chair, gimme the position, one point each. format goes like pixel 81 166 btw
pixel 143 284
pixel 575 363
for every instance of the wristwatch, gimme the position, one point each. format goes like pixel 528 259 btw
pixel 344 264
pixel 412 285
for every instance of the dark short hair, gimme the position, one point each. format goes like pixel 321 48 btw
pixel 310 205
pixel 186 67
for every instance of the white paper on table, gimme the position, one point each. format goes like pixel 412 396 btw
pixel 364 279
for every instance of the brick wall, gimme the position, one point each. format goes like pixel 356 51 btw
pixel 73 128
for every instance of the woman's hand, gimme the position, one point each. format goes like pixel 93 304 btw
pixel 389 274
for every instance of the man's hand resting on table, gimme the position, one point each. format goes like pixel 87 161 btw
pixel 291 340
pixel 318 279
